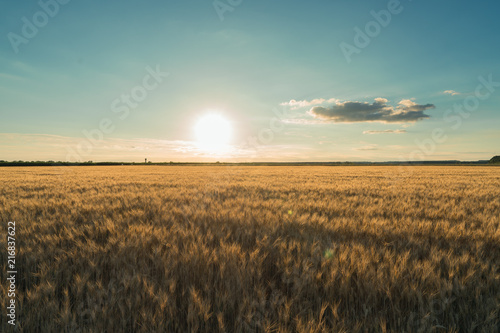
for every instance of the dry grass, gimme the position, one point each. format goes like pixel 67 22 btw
pixel 244 249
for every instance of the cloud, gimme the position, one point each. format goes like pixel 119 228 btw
pixel 380 111
pixel 34 147
pixel 300 104
pixel 451 92
pixel 299 121
pixel 368 147
pixel 17 146
pixel 398 131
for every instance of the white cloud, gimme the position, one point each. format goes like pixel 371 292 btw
pixel 451 92
pixel 304 103
pixel 31 147
pixel 398 131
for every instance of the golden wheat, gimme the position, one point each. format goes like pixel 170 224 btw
pixel 253 249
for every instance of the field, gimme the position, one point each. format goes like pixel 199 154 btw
pixel 253 249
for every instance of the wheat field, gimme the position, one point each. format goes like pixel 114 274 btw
pixel 253 248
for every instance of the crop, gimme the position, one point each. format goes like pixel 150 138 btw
pixel 253 249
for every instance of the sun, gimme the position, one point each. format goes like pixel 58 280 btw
pixel 213 133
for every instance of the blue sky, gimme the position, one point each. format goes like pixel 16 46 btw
pixel 61 83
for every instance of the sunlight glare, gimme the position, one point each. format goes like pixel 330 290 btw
pixel 213 133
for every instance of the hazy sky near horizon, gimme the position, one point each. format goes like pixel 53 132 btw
pixel 295 80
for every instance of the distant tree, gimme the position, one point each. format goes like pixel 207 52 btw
pixel 495 159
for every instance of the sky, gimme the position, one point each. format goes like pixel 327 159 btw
pixel 320 80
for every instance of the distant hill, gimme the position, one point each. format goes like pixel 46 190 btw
pixel 495 159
